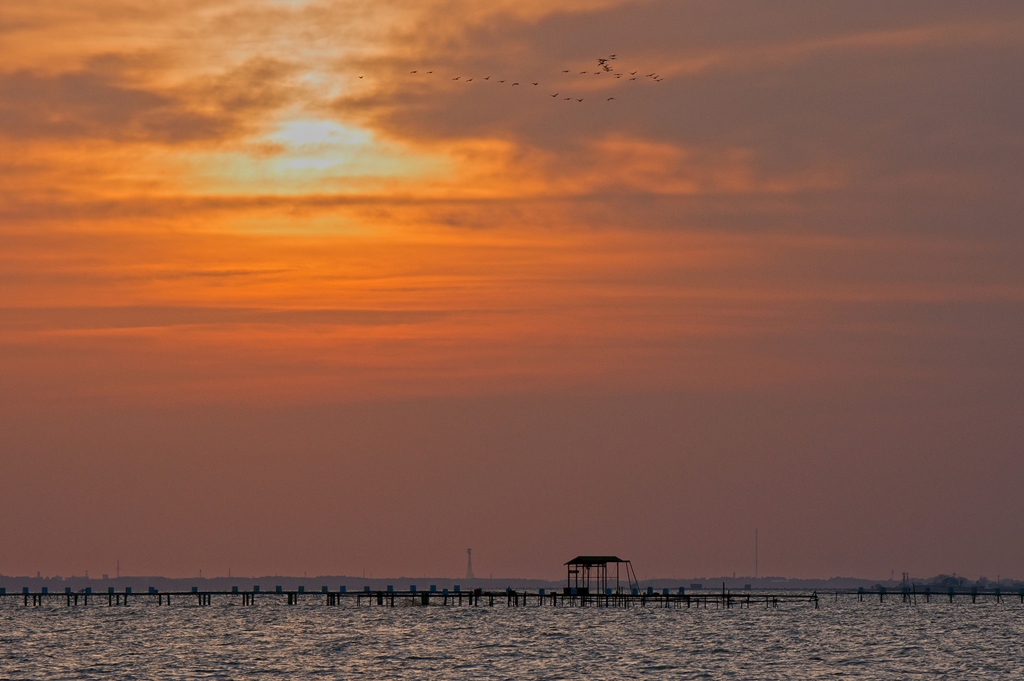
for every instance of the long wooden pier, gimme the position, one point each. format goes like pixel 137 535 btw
pixel 910 594
pixel 663 598
pixel 391 598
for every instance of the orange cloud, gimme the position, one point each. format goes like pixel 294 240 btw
pixel 223 183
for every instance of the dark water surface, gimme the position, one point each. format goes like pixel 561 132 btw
pixel 844 639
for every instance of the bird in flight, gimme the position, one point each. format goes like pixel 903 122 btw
pixel 604 68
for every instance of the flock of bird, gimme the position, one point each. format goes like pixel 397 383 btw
pixel 605 68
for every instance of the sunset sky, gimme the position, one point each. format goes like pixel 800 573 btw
pixel 271 301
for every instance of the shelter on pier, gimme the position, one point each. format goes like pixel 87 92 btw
pixel 584 573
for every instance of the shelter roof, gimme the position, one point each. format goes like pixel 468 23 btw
pixel 595 560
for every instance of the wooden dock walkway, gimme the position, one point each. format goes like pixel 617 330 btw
pixel 391 598
pixel 474 598
pixel 910 594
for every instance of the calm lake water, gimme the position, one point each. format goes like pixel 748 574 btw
pixel 844 639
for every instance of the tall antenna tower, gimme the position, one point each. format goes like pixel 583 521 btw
pixel 469 564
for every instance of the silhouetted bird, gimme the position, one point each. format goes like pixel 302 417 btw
pixel 555 95
pixel 515 83
pixel 487 78
pixel 566 71
pixel 579 100
pixel 568 98
pixel 412 72
pixel 536 83
pixel 456 77
pixel 360 76
pixel 470 80
pixel 582 73
pixel 501 81
pixel 610 98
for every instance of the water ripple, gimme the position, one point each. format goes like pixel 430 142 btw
pixel 848 639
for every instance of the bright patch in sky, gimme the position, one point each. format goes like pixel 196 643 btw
pixel 320 149
pixel 310 155
pixel 312 132
pixel 320 145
